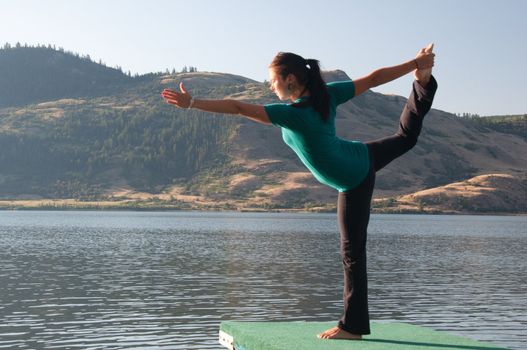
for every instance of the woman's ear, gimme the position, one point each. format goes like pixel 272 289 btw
pixel 290 79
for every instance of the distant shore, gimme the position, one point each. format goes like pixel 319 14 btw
pixel 155 205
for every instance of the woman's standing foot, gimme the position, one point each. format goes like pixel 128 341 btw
pixel 338 333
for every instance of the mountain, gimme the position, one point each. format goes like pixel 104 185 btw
pixel 115 141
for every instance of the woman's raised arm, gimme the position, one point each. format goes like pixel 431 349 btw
pixel 183 99
pixel 423 60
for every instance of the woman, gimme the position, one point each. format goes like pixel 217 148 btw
pixel 308 127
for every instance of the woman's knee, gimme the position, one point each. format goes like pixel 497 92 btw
pixel 409 141
pixel 412 141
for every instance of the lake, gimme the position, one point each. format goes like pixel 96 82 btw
pixel 165 280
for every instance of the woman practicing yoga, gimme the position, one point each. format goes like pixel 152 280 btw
pixel 308 127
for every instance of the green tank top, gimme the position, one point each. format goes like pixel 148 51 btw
pixel 335 162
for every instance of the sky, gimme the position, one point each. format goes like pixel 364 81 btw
pixel 480 45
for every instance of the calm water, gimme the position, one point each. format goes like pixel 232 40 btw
pixel 165 280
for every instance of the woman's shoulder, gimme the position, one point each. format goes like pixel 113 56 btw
pixel 283 114
pixel 342 90
pixel 279 107
pixel 340 84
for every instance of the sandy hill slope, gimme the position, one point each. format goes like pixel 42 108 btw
pixel 491 193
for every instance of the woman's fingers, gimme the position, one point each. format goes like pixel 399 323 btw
pixel 169 93
pixel 172 102
pixel 430 47
pixel 426 57
pixel 182 88
pixel 426 60
pixel 431 58
pixel 169 97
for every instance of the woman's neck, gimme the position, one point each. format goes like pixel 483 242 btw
pixel 304 93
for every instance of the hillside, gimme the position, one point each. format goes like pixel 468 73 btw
pixel 34 74
pixel 509 124
pixel 123 147
pixel 492 193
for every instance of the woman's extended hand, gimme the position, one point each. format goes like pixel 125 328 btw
pixel 180 99
pixel 425 57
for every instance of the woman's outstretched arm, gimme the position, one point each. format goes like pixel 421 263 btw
pixel 183 99
pixel 423 60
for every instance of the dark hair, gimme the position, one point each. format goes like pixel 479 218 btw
pixel 307 73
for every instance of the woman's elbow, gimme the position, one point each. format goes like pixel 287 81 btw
pixel 237 107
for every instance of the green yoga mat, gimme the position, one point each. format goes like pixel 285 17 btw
pixel 302 336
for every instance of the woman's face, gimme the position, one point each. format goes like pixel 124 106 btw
pixel 278 85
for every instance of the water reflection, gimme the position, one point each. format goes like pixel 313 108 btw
pixel 115 280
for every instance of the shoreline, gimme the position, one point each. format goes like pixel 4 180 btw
pixel 74 205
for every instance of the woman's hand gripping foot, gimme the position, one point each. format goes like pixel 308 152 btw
pixel 424 72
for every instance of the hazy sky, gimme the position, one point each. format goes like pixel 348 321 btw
pixel 481 46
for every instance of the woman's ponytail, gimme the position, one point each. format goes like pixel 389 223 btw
pixel 319 96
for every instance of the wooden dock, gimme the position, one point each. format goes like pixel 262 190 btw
pixel 299 335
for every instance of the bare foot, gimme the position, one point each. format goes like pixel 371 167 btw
pixel 337 333
pixel 423 75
